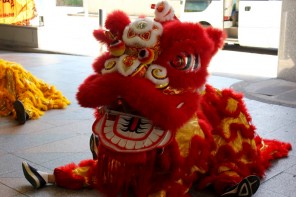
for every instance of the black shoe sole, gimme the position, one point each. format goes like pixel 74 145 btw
pixel 20 112
pixel 246 188
pixel 32 177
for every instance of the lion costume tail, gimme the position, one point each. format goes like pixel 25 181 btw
pixel 239 151
pixel 271 150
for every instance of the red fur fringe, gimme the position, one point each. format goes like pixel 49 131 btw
pixel 100 35
pixel 271 150
pixel 64 177
pixel 116 22
pixel 126 86
pixel 120 172
pixel 214 106
pixel 217 37
pixel 98 64
pixel 188 38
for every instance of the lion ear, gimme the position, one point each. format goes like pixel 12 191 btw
pixel 115 24
pixel 217 36
pixel 100 35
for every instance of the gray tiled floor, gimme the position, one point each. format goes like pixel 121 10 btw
pixel 62 136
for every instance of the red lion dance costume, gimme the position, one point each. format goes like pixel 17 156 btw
pixel 160 128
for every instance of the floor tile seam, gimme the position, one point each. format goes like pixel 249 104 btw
pixel 53 126
pixel 281 129
pixel 274 132
pixel 40 164
pixel 10 172
pixel 47 143
pixel 271 188
pixel 283 195
pixel 34 131
pixel 12 188
pixel 59 158
pixel 70 124
pixel 76 134
pixel 35 164
pixel 23 159
pixel 271 132
pixel 287 171
pixel 272 177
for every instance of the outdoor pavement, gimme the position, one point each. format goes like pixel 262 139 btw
pixel 62 136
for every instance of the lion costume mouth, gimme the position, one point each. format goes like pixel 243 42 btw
pixel 125 132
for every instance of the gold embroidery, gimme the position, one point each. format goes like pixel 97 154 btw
pixel 185 134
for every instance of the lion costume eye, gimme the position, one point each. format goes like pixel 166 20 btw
pixel 186 62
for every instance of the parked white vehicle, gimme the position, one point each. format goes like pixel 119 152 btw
pixel 253 23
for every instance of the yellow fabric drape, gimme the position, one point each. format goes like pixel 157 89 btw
pixel 17 12
pixel 36 95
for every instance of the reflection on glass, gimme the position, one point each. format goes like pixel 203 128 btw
pixel 196 5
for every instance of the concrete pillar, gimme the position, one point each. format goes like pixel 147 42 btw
pixel 287 48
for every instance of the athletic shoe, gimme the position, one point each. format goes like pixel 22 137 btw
pixel 93 145
pixel 20 112
pixel 246 188
pixel 33 176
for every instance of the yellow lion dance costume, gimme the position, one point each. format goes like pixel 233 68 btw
pixel 20 91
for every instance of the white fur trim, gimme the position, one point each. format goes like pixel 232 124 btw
pixel 164 15
pixel 136 25
pixel 141 26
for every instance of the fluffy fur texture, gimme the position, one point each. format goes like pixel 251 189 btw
pixel 115 23
pixel 212 140
pixel 37 96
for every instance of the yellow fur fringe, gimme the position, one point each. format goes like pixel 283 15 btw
pixel 36 95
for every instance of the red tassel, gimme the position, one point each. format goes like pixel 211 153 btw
pixel 119 172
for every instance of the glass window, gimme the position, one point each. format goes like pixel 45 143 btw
pixel 78 3
pixel 196 5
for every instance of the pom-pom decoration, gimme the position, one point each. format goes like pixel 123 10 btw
pixel 117 48
pixel 164 12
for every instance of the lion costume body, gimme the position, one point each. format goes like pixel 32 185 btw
pixel 160 128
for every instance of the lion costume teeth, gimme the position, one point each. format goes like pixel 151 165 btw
pixel 128 133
